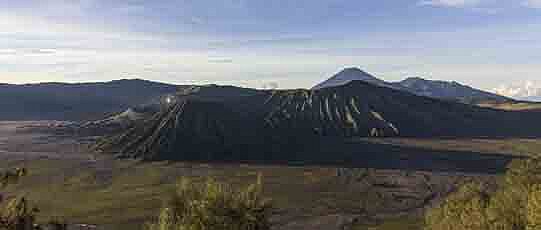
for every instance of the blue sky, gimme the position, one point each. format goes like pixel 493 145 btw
pixel 485 43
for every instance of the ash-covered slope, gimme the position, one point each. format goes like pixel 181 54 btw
pixel 188 129
pixel 117 122
pixel 224 123
pixel 198 123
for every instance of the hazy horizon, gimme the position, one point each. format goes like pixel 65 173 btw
pixel 482 43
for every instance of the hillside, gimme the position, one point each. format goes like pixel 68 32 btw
pixel 226 123
pixel 348 75
pixel 84 101
pixel 452 91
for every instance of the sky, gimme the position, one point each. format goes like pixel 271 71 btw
pixel 254 43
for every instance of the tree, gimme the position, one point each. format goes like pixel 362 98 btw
pixel 534 209
pixel 463 210
pixel 214 206
pixel 18 214
pixel 515 205
pixel 12 177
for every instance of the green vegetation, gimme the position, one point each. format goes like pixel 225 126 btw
pixel 127 194
pixel 401 223
pixel 19 213
pixel 214 206
pixel 528 147
pixel 515 205
pixel 11 177
pixel 513 106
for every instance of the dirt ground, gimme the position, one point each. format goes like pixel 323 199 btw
pixel 68 181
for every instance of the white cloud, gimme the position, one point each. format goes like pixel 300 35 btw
pixel 449 3
pixel 527 89
pixel 8 51
pixel 41 51
pixel 532 4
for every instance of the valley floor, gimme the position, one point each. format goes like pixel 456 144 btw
pixel 66 181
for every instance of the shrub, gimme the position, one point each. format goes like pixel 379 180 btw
pixel 19 214
pixel 462 210
pixel 12 177
pixel 516 205
pixel 534 209
pixel 214 206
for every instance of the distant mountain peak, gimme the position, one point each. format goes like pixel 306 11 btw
pixel 416 79
pixel 353 70
pixel 449 90
pixel 445 90
pixel 347 75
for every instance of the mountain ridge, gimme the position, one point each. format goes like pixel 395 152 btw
pixel 444 90
pixel 450 90
pixel 77 101
pixel 350 74
pixel 273 123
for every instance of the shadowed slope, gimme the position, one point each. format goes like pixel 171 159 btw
pixel 453 91
pixel 190 128
pixel 444 90
pixel 76 102
pixel 221 123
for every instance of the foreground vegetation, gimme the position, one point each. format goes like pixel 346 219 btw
pixel 514 205
pixel 214 206
pixel 126 194
pixel 135 193
pixel 19 213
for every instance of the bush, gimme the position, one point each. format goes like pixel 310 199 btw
pixel 516 205
pixel 462 210
pixel 534 209
pixel 19 214
pixel 214 206
pixel 12 177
